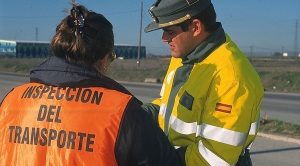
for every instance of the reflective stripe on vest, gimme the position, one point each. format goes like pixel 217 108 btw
pixel 45 125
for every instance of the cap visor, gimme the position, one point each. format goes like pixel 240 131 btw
pixel 151 27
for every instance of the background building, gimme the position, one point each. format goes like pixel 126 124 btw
pixel 25 49
pixel 129 51
pixel 7 48
pixel 32 49
pixel 41 49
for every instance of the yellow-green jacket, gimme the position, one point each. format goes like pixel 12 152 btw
pixel 210 103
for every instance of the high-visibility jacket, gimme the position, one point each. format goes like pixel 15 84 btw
pixel 210 103
pixel 56 124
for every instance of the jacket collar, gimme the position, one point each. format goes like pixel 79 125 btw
pixel 59 72
pixel 216 39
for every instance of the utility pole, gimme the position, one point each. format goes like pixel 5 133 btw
pixel 36 34
pixel 139 48
pixel 296 40
pixel 282 51
pixel 251 51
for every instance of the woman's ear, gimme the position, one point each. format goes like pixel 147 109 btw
pixel 103 64
pixel 98 65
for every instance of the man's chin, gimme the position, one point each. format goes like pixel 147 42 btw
pixel 174 55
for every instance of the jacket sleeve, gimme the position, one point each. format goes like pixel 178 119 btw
pixel 230 122
pixel 140 141
pixel 153 108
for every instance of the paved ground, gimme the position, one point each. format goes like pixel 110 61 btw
pixel 270 150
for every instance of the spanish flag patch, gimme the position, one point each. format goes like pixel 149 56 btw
pixel 223 108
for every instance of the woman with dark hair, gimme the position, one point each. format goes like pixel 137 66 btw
pixel 72 114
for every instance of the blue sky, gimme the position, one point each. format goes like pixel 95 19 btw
pixel 266 26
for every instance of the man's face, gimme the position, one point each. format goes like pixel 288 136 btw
pixel 180 42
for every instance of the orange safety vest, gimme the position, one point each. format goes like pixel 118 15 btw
pixel 48 125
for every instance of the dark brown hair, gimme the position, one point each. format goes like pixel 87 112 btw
pixel 83 36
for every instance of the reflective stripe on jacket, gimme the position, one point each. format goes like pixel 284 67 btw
pixel 211 107
pixel 41 119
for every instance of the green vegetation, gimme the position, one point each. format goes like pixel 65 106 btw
pixel 277 127
pixel 129 70
pixel 281 81
pixel 274 78
pixel 18 65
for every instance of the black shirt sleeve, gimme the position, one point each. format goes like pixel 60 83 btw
pixel 140 141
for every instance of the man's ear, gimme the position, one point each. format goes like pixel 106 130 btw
pixel 197 27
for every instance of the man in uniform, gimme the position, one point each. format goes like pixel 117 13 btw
pixel 210 99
